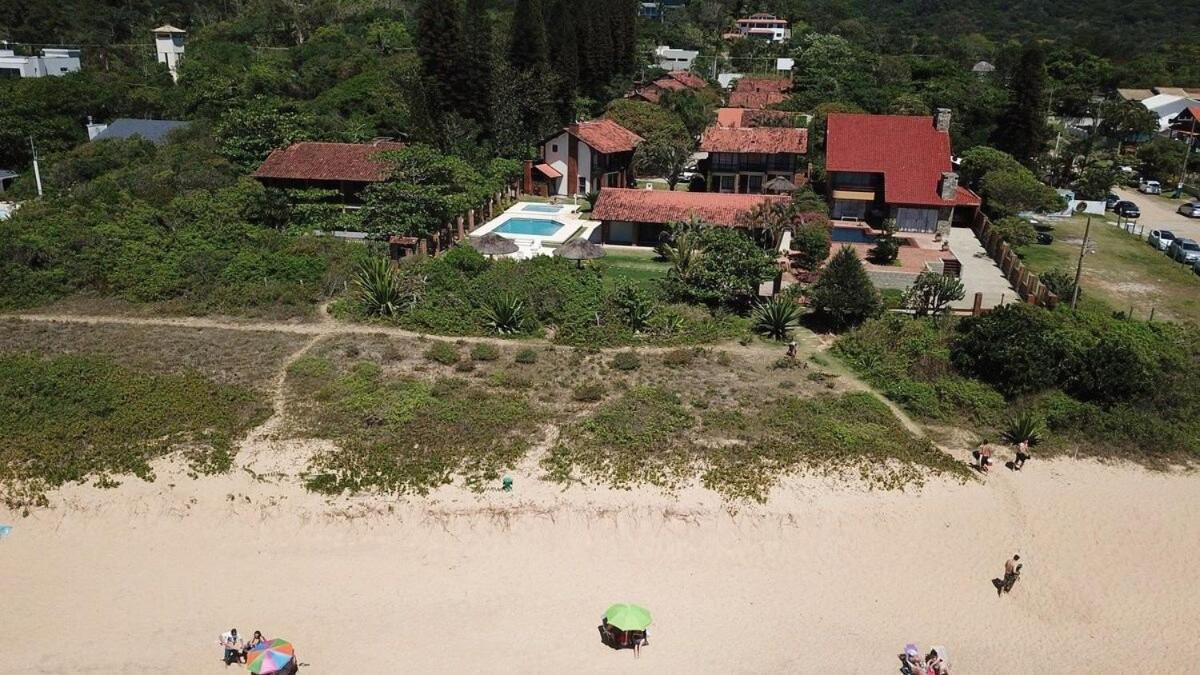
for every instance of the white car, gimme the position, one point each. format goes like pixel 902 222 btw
pixel 1150 187
pixel 1161 239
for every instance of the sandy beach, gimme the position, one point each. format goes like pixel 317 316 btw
pixel 143 577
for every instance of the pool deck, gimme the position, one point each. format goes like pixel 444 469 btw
pixel 533 244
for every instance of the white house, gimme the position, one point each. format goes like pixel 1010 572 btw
pixel 674 59
pixel 168 43
pixel 765 26
pixel 1166 107
pixel 51 63
pixel 582 158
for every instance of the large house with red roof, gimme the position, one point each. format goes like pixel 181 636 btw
pixel 676 80
pixel 757 92
pixel 634 217
pixel 582 158
pixel 895 166
pixel 346 168
pixel 742 159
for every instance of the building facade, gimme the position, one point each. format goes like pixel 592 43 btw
pixel 584 157
pixel 631 217
pixel 51 63
pixel 345 168
pixel 742 159
pixel 169 47
pixel 765 27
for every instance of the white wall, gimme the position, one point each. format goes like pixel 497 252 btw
pixel 558 159
pixel 585 169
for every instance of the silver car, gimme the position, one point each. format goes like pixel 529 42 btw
pixel 1161 239
pixel 1184 251
pixel 1190 209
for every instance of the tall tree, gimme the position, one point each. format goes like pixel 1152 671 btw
pixel 1022 129
pixel 478 71
pixel 844 296
pixel 595 35
pixel 529 49
pixel 565 47
pixel 441 49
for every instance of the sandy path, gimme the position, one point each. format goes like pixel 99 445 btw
pixel 824 576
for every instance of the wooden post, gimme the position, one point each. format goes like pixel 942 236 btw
pixel 471 220
pixel 422 246
pixel 491 209
pixel 977 308
pixel 461 233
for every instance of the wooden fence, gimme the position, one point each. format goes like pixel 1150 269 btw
pixel 1029 288
pixel 458 229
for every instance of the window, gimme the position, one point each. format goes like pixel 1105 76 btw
pixel 582 186
pixel 725 183
pixel 754 184
pixel 554 147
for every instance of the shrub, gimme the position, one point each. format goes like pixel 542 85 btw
pixel 444 353
pixel 812 241
pixel 887 247
pixel 844 296
pixel 1016 231
pixel 464 366
pixel 1060 283
pixel 636 305
pixel 378 287
pixel 1024 428
pixel 776 318
pixel 483 351
pixel 626 361
pixel 588 392
pixel 678 357
pixel 1017 348
pixel 465 259
pixel 504 314
pixel 932 293
pixel 727 272
pixel 526 355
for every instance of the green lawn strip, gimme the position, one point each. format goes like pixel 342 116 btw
pixel 648 435
pixel 67 418
pixel 404 435
pixel 634 266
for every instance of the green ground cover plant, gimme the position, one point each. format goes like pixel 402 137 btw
pixel 66 418
pixel 405 435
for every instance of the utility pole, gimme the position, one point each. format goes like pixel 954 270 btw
pixel 37 174
pixel 1186 155
pixel 1087 230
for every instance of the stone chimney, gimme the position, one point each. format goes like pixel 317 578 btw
pixel 941 119
pixel 949 189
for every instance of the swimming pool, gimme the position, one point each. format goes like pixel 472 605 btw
pixel 537 227
pixel 850 235
pixel 542 208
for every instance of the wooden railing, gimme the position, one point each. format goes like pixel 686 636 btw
pixel 1029 288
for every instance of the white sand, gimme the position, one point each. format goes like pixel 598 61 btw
pixel 147 575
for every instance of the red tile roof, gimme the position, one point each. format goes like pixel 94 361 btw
pixel 760 83
pixel 766 140
pixel 661 206
pixel 354 162
pixel 687 79
pixel 605 136
pixel 649 93
pixel 746 117
pixel 755 99
pixel 908 150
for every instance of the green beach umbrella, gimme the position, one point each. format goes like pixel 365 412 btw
pixel 628 617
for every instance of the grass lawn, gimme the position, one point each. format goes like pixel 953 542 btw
pixel 638 266
pixel 1122 270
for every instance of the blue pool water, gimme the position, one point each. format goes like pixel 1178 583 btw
pixel 529 226
pixel 850 235
pixel 542 208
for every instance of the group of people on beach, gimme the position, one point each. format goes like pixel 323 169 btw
pixel 933 663
pixel 623 639
pixel 236 648
pixel 983 456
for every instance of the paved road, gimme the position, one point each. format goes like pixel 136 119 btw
pixel 1158 213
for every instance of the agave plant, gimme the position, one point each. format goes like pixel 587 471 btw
pixel 504 314
pixel 379 288
pixel 1025 427
pixel 776 318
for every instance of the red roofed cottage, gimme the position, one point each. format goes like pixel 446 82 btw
pixel 637 217
pixel 895 166
pixel 743 159
pixel 583 157
pixel 345 167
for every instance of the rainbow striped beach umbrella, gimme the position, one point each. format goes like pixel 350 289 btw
pixel 270 657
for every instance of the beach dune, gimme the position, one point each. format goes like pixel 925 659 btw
pixel 143 577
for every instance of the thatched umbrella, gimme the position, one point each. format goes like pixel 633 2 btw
pixel 779 185
pixel 579 250
pixel 492 244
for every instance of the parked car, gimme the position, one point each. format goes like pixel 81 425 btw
pixel 1127 209
pixel 1110 200
pixel 1184 251
pixel 1161 239
pixel 1045 237
pixel 1150 187
pixel 1190 209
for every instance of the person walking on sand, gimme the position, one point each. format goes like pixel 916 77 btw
pixel 1022 455
pixel 1012 571
pixel 232 645
pixel 984 455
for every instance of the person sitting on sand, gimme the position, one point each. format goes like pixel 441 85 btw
pixel 232 645
pixel 935 664
pixel 1012 570
pixel 253 643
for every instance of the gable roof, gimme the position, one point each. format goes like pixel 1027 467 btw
pixel 168 28
pixel 605 136
pixel 908 150
pixel 354 162
pixel 766 140
pixel 687 79
pixel 749 117
pixel 154 131
pixel 1135 94
pixel 758 92
pixel 661 206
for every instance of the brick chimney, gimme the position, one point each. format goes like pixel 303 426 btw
pixel 949 188
pixel 941 119
pixel 527 179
